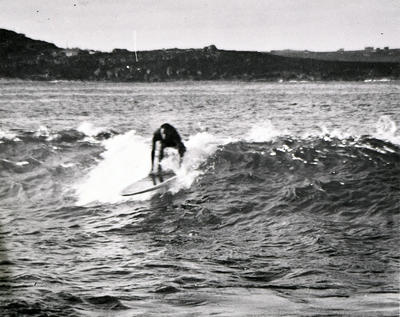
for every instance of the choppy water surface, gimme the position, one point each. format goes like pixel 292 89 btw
pixel 287 202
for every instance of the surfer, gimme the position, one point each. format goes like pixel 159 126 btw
pixel 166 136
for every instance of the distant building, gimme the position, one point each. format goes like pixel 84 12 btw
pixel 71 52
pixel 386 48
pixel 210 49
pixel 120 51
pixel 369 49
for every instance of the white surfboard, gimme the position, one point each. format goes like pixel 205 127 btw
pixel 148 184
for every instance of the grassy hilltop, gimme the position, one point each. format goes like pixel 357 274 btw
pixel 22 57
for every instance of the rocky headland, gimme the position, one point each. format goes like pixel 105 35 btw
pixel 25 58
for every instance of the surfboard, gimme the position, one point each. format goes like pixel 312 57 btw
pixel 148 184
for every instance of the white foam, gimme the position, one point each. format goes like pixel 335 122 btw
pixel 199 148
pixel 381 80
pixel 9 136
pixel 22 163
pixel 89 129
pixel 328 134
pixel 264 132
pixel 42 131
pixel 386 130
pixel 127 159
pixel 66 165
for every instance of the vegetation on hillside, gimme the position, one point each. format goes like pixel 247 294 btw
pixel 25 58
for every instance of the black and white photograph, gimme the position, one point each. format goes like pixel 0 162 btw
pixel 190 158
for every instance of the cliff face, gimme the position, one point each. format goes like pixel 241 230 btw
pixel 25 58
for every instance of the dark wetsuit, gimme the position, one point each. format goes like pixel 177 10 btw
pixel 168 137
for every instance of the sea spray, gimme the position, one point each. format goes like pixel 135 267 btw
pixel 386 130
pixel 89 129
pixel 199 147
pixel 263 132
pixel 8 136
pixel 125 160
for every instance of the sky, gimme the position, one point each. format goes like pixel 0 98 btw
pixel 254 25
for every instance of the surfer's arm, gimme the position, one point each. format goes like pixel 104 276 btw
pixel 160 157
pixel 153 151
pixel 160 148
pixel 181 150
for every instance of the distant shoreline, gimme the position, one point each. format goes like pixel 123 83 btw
pixel 220 81
pixel 24 58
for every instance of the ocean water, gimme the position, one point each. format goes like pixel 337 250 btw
pixel 287 202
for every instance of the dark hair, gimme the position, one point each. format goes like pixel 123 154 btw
pixel 167 126
pixel 170 131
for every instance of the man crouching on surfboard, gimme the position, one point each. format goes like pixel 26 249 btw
pixel 167 136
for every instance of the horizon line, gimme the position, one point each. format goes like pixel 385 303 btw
pixel 366 47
